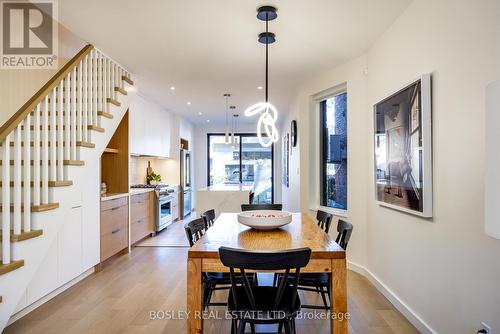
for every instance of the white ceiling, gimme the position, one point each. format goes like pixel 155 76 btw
pixel 207 48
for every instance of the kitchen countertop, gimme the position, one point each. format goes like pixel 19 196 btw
pixel 136 191
pixel 110 196
pixel 245 187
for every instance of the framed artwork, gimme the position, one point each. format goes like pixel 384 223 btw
pixel 285 165
pixel 403 149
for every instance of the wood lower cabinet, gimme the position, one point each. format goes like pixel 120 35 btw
pixel 142 217
pixel 114 226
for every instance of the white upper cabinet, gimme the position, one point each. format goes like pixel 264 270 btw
pixel 150 128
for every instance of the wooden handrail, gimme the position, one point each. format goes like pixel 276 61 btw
pixel 31 104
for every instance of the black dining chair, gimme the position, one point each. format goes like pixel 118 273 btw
pixel 195 229
pixel 324 220
pixel 209 218
pixel 321 282
pixel 250 207
pixel 252 304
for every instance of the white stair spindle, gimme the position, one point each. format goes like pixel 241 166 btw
pixel 113 81
pixel 84 102
pixel 45 152
pixel 53 131
pixel 90 90
pixel 17 180
pixel 104 82
pixel 60 132
pixel 36 156
pixel 73 115
pixel 95 84
pixel 27 174
pixel 6 200
pixel 100 77
pixel 78 99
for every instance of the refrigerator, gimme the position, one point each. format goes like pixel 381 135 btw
pixel 186 190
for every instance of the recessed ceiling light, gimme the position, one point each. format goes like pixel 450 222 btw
pixel 172 88
pixel 200 113
pixel 208 121
pixel 188 103
pixel 260 87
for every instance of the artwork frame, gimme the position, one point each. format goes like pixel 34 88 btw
pixel 403 149
pixel 285 168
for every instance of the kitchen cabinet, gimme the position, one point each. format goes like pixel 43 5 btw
pixel 142 217
pixel 114 226
pixel 175 205
pixel 150 129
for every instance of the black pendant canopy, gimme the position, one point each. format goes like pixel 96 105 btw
pixel 267 38
pixel 267 13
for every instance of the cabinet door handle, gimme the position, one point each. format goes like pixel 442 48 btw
pixel 115 231
pixel 116 208
pixel 139 221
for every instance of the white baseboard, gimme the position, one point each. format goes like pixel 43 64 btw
pixel 412 317
pixel 49 296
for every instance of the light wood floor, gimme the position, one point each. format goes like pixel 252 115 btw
pixel 119 300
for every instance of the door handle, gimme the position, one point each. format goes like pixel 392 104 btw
pixel 116 208
pixel 115 231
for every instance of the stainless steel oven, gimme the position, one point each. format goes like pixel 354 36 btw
pixel 164 211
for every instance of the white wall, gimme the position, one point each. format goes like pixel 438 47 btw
pixel 445 270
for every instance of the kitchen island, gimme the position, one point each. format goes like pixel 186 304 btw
pixel 223 197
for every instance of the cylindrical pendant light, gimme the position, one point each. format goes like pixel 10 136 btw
pixel 227 140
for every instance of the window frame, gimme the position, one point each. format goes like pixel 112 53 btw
pixel 318 155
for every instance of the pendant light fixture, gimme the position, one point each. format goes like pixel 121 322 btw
pixel 227 139
pixel 234 124
pixel 268 113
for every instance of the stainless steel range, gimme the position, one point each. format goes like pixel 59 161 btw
pixel 163 207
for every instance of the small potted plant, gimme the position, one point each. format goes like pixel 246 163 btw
pixel 153 178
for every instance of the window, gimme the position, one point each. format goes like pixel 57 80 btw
pixel 247 162
pixel 333 151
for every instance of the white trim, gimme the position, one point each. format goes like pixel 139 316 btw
pixel 401 306
pixel 333 211
pixel 48 297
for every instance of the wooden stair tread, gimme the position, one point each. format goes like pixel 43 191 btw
pixel 95 128
pixel 35 208
pixel 127 80
pixel 113 101
pixel 105 114
pixel 78 143
pixel 54 184
pixel 90 127
pixel 23 235
pixel 65 162
pixel 13 265
pixel 121 90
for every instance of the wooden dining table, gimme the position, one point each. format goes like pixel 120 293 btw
pixel 326 257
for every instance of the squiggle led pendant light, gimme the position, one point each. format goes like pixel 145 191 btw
pixel 268 113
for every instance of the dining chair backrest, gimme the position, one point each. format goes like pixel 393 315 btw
pixel 251 207
pixel 344 230
pixel 287 260
pixel 208 217
pixel 324 220
pixel 194 230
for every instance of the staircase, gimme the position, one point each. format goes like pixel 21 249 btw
pixel 45 149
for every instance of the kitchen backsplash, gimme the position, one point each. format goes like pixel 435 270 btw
pixel 169 169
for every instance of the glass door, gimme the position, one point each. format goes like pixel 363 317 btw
pixel 257 167
pixel 246 162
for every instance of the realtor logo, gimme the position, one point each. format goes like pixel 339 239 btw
pixel 29 34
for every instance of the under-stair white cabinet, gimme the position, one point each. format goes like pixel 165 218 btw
pixel 149 129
